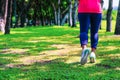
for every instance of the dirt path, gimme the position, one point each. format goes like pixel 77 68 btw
pixel 69 53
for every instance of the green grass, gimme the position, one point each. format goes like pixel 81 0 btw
pixel 53 53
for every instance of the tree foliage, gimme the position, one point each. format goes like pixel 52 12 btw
pixel 23 13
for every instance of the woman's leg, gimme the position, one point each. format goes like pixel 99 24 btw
pixel 95 25
pixel 84 19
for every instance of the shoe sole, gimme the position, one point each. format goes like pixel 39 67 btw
pixel 92 60
pixel 84 58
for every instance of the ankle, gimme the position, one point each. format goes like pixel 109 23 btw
pixel 93 50
pixel 83 47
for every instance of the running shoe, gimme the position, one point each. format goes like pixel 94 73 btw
pixel 92 57
pixel 84 56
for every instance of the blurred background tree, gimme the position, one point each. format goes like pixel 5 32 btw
pixel 21 13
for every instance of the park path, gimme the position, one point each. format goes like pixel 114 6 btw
pixel 69 53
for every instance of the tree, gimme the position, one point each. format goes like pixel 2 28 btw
pixel 40 12
pixel 117 27
pixel 14 14
pixel 59 11
pixel 2 12
pixel 8 16
pixel 74 16
pixel 109 17
pixel 6 13
pixel 70 13
pixel 55 11
pixel 102 2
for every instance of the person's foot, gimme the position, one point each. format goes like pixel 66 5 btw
pixel 92 57
pixel 84 56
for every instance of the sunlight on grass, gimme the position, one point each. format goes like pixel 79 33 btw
pixel 2 68
pixel 73 59
pixel 97 74
pixel 30 59
pixel 21 32
pixel 53 53
pixel 14 51
pixel 118 68
pixel 110 37
pixel 110 48
pixel 1 33
pixel 114 55
pixel 103 24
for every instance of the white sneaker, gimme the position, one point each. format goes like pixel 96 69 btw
pixel 92 57
pixel 84 56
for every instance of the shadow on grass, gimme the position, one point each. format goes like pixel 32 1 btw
pixel 108 67
pixel 58 69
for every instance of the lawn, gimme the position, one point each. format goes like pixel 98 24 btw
pixel 53 53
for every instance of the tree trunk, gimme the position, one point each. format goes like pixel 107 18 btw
pixel 42 19
pixel 24 8
pixel 14 14
pixel 23 12
pixel 8 16
pixel 2 17
pixel 64 19
pixel 109 16
pixel 22 20
pixel 59 12
pixel 35 17
pixel 102 2
pixel 74 13
pixel 70 13
pixel 55 12
pixel 2 8
pixel 117 27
